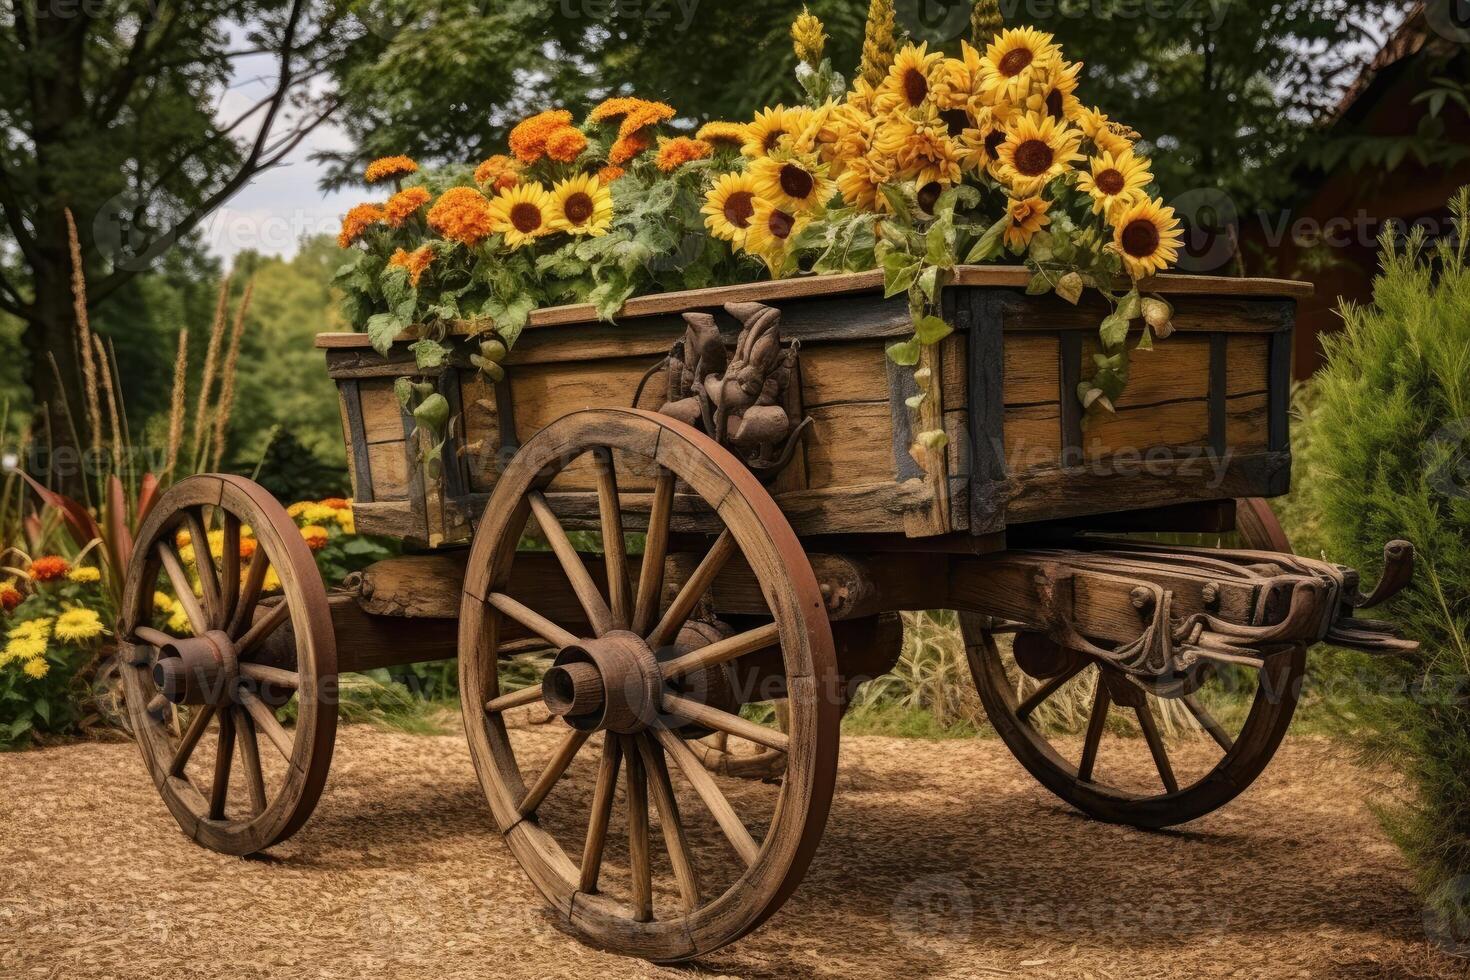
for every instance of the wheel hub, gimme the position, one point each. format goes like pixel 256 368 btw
pixel 198 670
pixel 611 682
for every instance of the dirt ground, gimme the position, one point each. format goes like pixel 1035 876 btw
pixel 941 859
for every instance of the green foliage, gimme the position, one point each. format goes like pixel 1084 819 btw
pixel 1388 455
pixel 44 670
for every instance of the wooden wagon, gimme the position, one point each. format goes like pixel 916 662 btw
pixel 745 461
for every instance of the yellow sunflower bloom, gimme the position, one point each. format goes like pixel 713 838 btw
pixel 1146 234
pixel 78 625
pixel 763 134
pixel 1114 181
pixel 581 206
pixel 909 80
pixel 793 182
pixel 722 135
pixel 1013 60
pixel 770 233
pixel 860 183
pixel 1035 152
pixel 525 213
pixel 729 206
pixel 1052 92
pixel 1024 218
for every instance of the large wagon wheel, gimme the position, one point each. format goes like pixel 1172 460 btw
pixel 638 683
pixel 1171 800
pixel 252 648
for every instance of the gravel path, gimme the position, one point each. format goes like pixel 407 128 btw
pixel 940 860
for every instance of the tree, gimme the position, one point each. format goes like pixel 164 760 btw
pixel 109 109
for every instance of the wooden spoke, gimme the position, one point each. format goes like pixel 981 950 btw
pixel 722 651
pixel 223 756
pixel 655 549
pixel 190 739
pixel 532 620
pixel 250 592
pixel 151 636
pixel 1095 724
pixel 614 547
pixel 1208 723
pixel 515 699
pixel 638 856
pixel 263 627
pixel 266 723
pixel 704 784
pixel 183 589
pixel 668 818
pixel 250 761
pixel 554 770
pixel 1156 746
pixel 571 563
pixel 691 592
pixel 274 676
pixel 204 566
pixel 602 803
pixel 724 721
pixel 1052 686
pixel 229 586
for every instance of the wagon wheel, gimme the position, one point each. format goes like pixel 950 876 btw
pixel 734 850
pixel 251 648
pixel 1169 796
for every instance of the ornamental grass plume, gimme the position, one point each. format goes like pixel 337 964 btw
pixel 176 404
pixel 879 43
pixel 84 333
pixel 211 365
pixel 232 364
pixel 985 22
pixel 807 38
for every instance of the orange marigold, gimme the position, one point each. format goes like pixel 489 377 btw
pixel 565 145
pixel 625 108
pixel 247 548
pixel 609 174
pixel 385 167
pixel 357 221
pixel 499 173
pixel 316 536
pixel 628 147
pixel 463 215
pixel 641 118
pixel 49 568
pixel 336 503
pixel 10 596
pixel 676 152
pixel 404 205
pixel 415 262
pixel 528 140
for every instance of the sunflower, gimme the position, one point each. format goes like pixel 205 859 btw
pixel 1146 236
pixel 1024 218
pixel 674 153
pixel 1108 137
pixel 794 182
pixel 77 625
pixel 729 205
pixel 528 139
pixel 358 220
pixel 1114 180
pixel 957 80
pixel 415 262
pixel 463 215
pixel 385 168
pixel 1013 60
pixel 404 205
pixel 524 212
pixel 581 206
pixel 722 135
pixel 763 134
pixel 919 145
pixel 909 80
pixel 498 173
pixel 861 181
pixel 770 233
pixel 1035 152
pixel 1052 92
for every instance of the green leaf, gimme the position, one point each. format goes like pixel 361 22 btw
pixel 905 353
pixel 931 330
pixel 1039 285
pixel 929 282
pixel 403 391
pixel 989 244
pixel 914 401
pixel 899 272
pixel 429 354
pixel 1114 330
pixel 900 204
pixel 1130 307
pixel 1069 287
pixel 382 328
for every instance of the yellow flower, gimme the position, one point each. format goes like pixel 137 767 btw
pixel 384 168
pixel 524 211
pixel 763 134
pixel 722 135
pixel 1051 91
pixel 581 206
pixel 909 80
pixel 1024 218
pixel 297 509
pixel 345 521
pixel 1035 152
pixel 36 667
pixel 85 574
pixel 1146 235
pixel 920 145
pixel 793 182
pixel 32 629
pixel 674 153
pixel 955 82
pixel 272 581
pixel 316 536
pixel 78 624
pixel 770 233
pixel 1113 181
pixel 25 646
pixel 178 621
pixel 315 513
pixel 163 602
pixel 566 144
pixel 729 205
pixel 1013 60
pixel 860 183
pixel 463 215
pixel 807 38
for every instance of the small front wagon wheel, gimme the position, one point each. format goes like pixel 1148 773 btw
pixel 636 678
pixel 224 626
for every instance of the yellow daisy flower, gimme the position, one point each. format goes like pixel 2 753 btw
pixel 793 182
pixel 1035 152
pixel 582 205
pixel 76 625
pixel 36 668
pixel 345 521
pixel 85 574
pixel 25 646
pixel 729 206
pixel 525 212
pixel 1114 181
pixel 31 629
pixel 1146 235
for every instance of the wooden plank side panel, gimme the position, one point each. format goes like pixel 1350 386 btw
pixel 1031 368
pixel 1176 369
